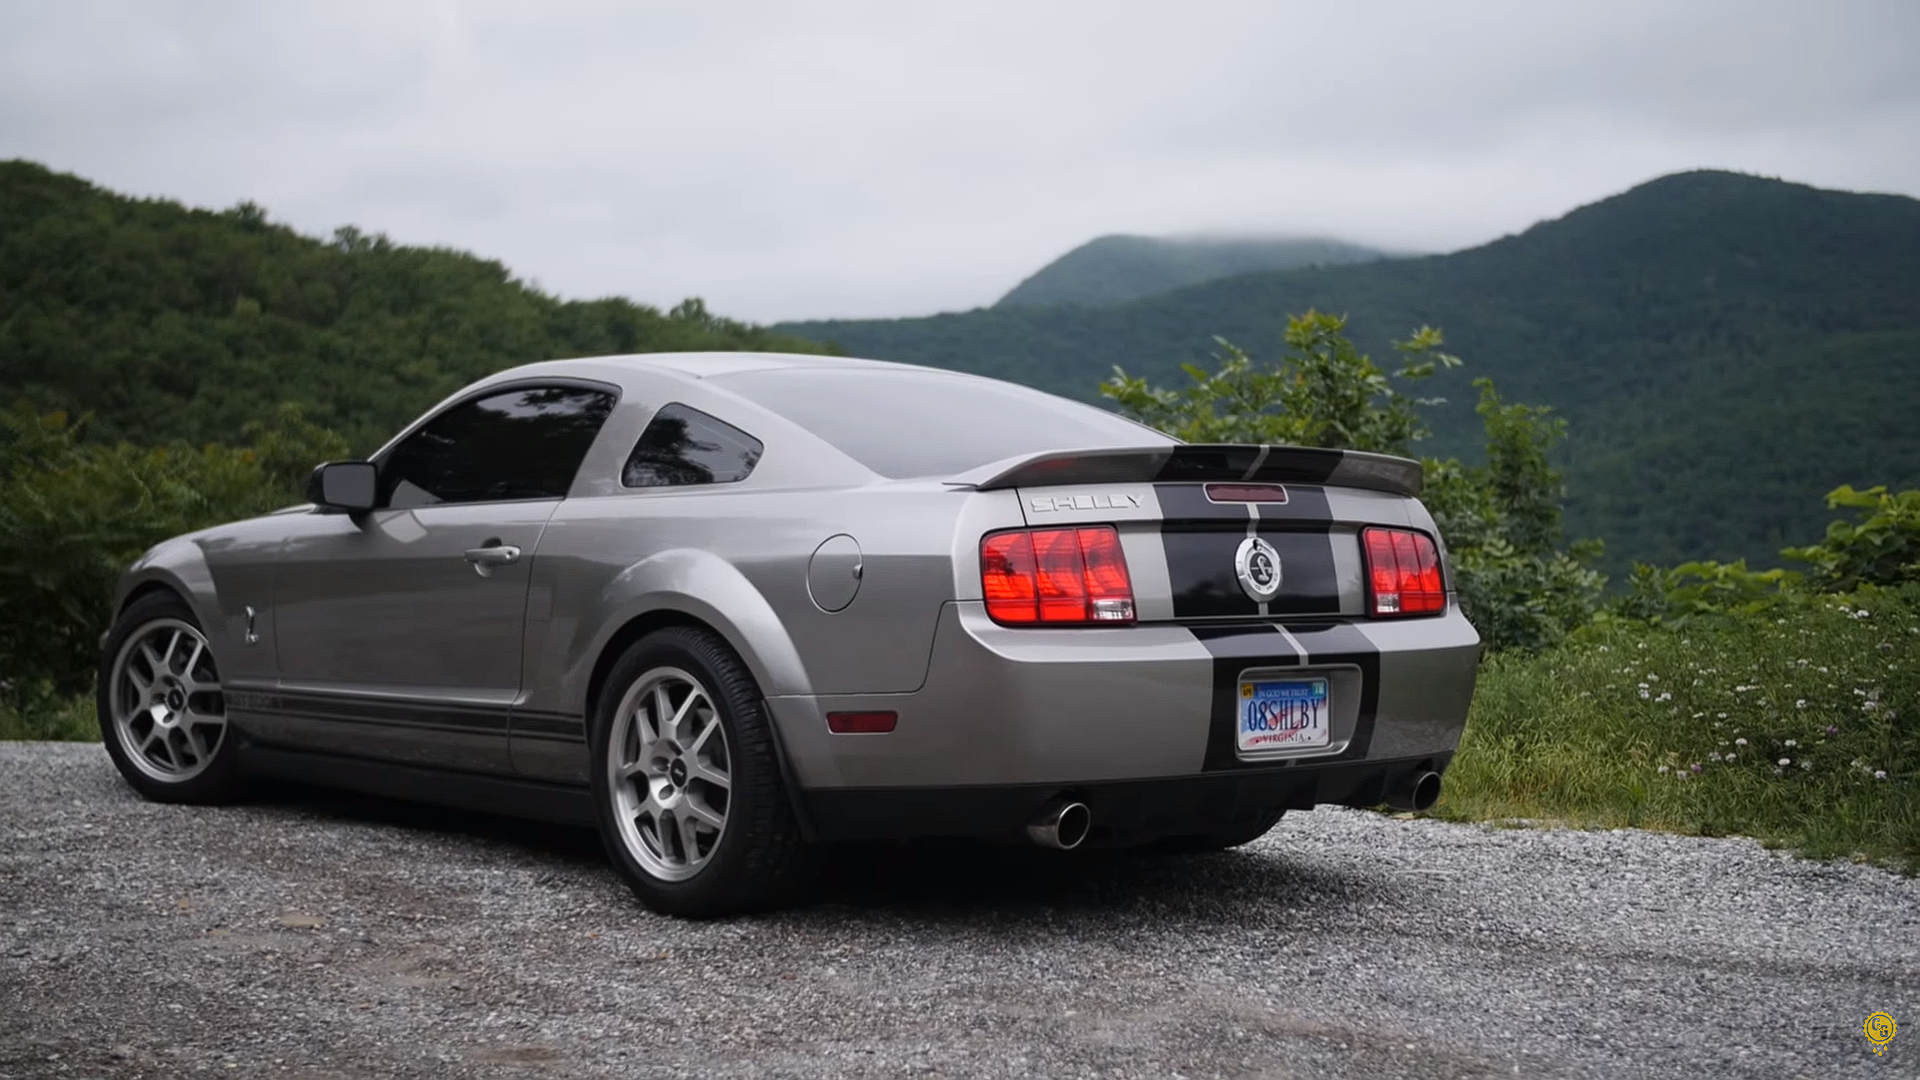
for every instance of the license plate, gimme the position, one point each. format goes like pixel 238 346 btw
pixel 1284 714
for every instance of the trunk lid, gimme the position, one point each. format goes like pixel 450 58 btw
pixel 1206 534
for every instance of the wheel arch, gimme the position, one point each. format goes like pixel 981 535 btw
pixel 687 587
pixel 148 588
pixel 177 566
pixel 625 637
pixel 691 586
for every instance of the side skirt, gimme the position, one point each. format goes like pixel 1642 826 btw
pixel 559 803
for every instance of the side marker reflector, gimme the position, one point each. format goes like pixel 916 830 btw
pixel 861 723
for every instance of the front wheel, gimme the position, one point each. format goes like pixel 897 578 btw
pixel 163 716
pixel 686 781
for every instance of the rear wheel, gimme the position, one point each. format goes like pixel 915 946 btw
pixel 686 781
pixel 1241 831
pixel 163 716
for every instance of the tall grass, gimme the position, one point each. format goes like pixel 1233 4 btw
pixel 43 715
pixel 1799 726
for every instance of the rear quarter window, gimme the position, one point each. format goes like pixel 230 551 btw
pixel 910 423
pixel 683 446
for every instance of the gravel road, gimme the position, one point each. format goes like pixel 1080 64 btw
pixel 318 935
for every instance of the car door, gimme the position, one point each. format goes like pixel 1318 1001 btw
pixel 399 631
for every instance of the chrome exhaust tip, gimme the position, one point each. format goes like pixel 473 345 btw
pixel 1062 825
pixel 1418 792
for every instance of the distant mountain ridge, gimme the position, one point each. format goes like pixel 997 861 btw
pixel 172 323
pixel 1115 269
pixel 1725 347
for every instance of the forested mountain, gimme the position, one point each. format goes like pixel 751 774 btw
pixel 1726 349
pixel 1112 269
pixel 172 323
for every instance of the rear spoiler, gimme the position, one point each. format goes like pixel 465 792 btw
pixel 1169 464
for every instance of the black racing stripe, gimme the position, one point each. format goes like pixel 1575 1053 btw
pixel 1189 502
pixel 400 713
pixel 1234 650
pixel 1201 573
pixel 1209 463
pixel 1298 465
pixel 1245 641
pixel 551 726
pixel 1305 502
pixel 1237 648
pixel 1308 583
pixel 1343 643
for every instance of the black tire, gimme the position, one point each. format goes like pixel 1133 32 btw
pixel 1243 831
pixel 760 859
pixel 215 777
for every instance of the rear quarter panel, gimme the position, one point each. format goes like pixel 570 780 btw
pixel 738 560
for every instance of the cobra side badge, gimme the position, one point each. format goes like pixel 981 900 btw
pixel 1257 566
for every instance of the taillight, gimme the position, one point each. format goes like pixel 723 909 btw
pixel 1056 577
pixel 1403 573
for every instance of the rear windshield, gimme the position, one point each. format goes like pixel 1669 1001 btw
pixel 927 423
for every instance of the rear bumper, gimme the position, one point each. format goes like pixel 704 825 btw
pixel 1014 708
pixel 1123 812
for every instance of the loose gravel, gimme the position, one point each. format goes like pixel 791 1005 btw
pixel 327 936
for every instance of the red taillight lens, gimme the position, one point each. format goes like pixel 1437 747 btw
pixel 1056 577
pixel 1403 573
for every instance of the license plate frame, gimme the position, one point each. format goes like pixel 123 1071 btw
pixel 1283 716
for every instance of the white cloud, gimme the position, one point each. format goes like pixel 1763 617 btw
pixel 797 160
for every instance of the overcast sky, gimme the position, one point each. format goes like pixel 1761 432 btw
pixel 903 157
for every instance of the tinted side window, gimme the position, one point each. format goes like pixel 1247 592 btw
pixel 518 444
pixel 686 446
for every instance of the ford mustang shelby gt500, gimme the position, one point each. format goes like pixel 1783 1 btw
pixel 730 607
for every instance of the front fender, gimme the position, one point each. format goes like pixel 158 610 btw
pixel 178 564
pixel 703 586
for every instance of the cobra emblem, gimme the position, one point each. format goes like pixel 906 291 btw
pixel 1258 567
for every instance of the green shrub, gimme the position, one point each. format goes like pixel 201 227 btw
pixel 1323 392
pixel 1501 520
pixel 33 712
pixel 74 514
pixel 1882 549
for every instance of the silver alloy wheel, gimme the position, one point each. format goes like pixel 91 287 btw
pixel 165 699
pixel 670 773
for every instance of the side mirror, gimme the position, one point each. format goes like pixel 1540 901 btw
pixel 343 485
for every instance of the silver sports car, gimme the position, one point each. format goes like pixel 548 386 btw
pixel 732 607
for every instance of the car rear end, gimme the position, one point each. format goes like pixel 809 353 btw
pixel 1176 639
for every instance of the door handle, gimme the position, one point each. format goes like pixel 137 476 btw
pixel 492 554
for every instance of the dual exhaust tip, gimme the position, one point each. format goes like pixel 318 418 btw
pixel 1417 792
pixel 1063 823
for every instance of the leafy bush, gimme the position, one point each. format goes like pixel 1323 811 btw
pixel 1799 725
pixel 1501 520
pixel 1323 392
pixel 74 514
pixel 1883 549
